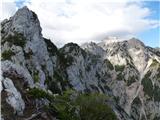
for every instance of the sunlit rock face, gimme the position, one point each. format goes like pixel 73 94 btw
pixel 26 60
pixel 125 70
pixel 133 63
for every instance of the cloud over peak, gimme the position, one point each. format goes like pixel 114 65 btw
pixel 81 21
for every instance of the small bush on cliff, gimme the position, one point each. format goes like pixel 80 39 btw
pixel 39 93
pixel 7 54
pixel 147 86
pixel 16 39
pixel 156 93
pixel 154 63
pixel 119 67
pixel 35 77
pixel 131 80
pixel 109 64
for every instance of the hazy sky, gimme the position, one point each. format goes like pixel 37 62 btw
pixel 82 21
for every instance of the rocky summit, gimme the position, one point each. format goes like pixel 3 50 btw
pixel 43 82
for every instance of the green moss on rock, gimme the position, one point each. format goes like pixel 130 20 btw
pixel 39 93
pixel 17 39
pixel 120 76
pixel 109 64
pixel 52 49
pixel 131 80
pixel 36 77
pixel 7 54
pixel 72 105
pixel 154 63
pixel 119 67
pixel 137 101
pixel 147 86
pixel 156 93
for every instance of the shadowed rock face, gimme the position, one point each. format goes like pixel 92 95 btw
pixel 127 71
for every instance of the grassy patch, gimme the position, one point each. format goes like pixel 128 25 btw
pixel 16 39
pixel 52 49
pixel 72 105
pixel 156 118
pixel 131 80
pixel 137 101
pixel 28 55
pixel 65 60
pixel 39 93
pixel 154 63
pixel 34 15
pixel 93 107
pixel 57 83
pixel 36 77
pixel 120 76
pixel 147 86
pixel 7 54
pixel 119 67
pixel 156 93
pixel 109 64
pixel 57 76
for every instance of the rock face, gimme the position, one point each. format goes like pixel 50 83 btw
pixel 127 71
pixel 14 97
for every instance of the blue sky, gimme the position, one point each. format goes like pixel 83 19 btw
pixel 82 21
pixel 152 37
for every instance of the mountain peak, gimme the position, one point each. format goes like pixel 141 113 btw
pixel 25 8
pixel 112 39
pixel 135 41
pixel 25 22
pixel 25 12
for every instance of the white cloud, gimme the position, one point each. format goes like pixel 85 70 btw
pixel 7 8
pixel 81 21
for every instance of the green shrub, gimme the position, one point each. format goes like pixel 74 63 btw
pixel 39 93
pixel 158 73
pixel 57 83
pixel 120 76
pixel 156 93
pixel 57 76
pixel 154 63
pixel 52 49
pixel 109 64
pixel 72 105
pixel 88 106
pixel 28 55
pixel 98 75
pixel 2 31
pixel 34 15
pixel 119 67
pixel 148 74
pixel 137 101
pixel 131 80
pixel 76 106
pixel 7 54
pixel 156 118
pixel 64 106
pixel 88 68
pixel 94 107
pixel 147 86
pixel 54 87
pixel 35 77
pixel 65 60
pixel 16 39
